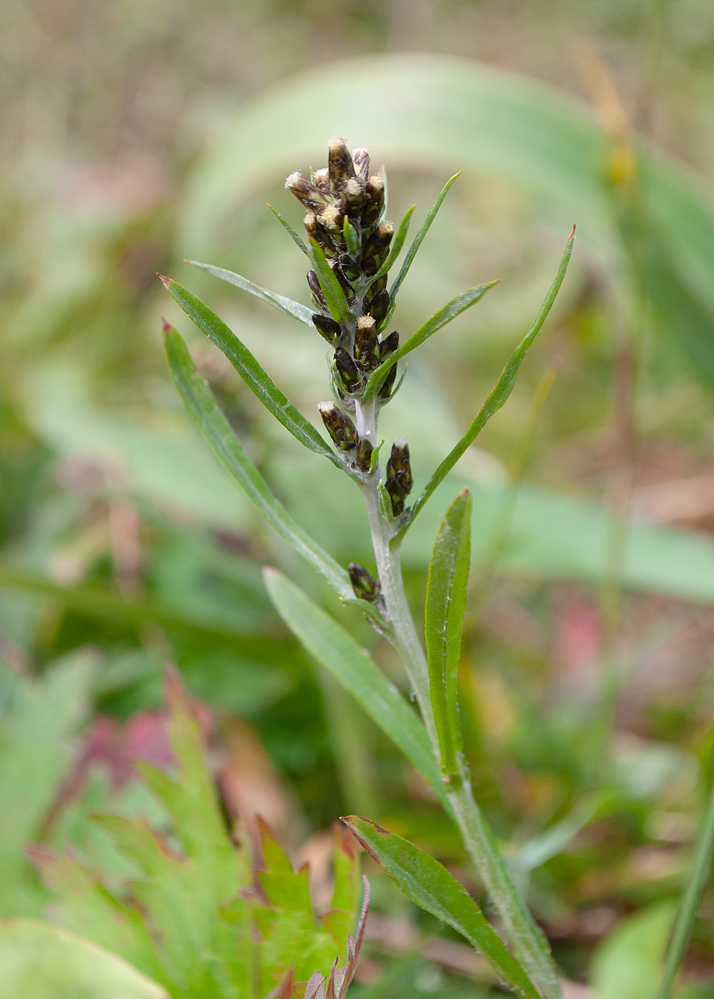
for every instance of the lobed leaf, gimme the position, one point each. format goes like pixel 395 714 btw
pixel 340 655
pixel 445 606
pixel 257 380
pixel 501 390
pixel 440 319
pixel 206 412
pixel 427 883
pixel 331 287
pixel 279 302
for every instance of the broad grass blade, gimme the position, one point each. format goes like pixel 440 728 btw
pixel 338 653
pixel 427 883
pixel 204 409
pixel 257 380
pixel 445 607
pixel 501 390
pixel 279 302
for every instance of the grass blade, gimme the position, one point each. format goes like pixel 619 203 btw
pixel 414 248
pixel 279 302
pixel 427 883
pixel 445 606
pixel 691 900
pixel 338 653
pixel 204 409
pixel 286 225
pixel 501 390
pixel 331 287
pixel 440 319
pixel 396 248
pixel 257 380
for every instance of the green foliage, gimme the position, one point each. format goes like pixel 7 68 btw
pixel 45 962
pixel 188 917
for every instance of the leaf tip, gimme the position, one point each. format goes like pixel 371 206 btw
pixel 166 326
pixel 163 279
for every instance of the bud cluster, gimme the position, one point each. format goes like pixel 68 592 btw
pixel 345 208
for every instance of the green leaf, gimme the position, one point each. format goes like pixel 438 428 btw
pixel 397 244
pixel 204 409
pixel 354 247
pixel 340 655
pixel 429 885
pixel 501 390
pixel 628 963
pixel 257 380
pixel 39 961
pixel 37 721
pixel 331 287
pixel 286 225
pixel 414 248
pixel 445 607
pixel 440 319
pixel 279 302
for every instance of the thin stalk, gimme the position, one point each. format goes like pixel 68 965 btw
pixel 528 941
pixel 691 898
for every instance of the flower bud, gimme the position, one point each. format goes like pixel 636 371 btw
pixel 339 426
pixel 348 370
pixel 354 198
pixel 363 455
pixel 375 200
pixel 317 294
pixel 360 158
pixel 387 385
pixel 330 219
pixel 378 306
pixel 366 343
pixel 388 345
pixel 364 585
pixel 321 179
pixel 306 192
pixel 327 328
pixel 340 163
pixel 399 475
pixel 376 248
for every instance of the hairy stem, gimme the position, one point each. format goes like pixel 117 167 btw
pixel 527 939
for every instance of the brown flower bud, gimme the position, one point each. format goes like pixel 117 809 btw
pixel 360 158
pixel 339 163
pixel 327 328
pixel 364 585
pixel 399 466
pixel 354 198
pixel 376 249
pixel 348 370
pixel 331 219
pixel 375 200
pixel 388 345
pixel 366 343
pixel 321 179
pixel 305 191
pixel 363 455
pixel 317 293
pixel 387 385
pixel 339 426
pixel 378 306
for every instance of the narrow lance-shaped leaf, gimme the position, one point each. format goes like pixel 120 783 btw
pixel 414 248
pixel 286 225
pixel 427 883
pixel 440 319
pixel 445 606
pixel 338 653
pixel 500 392
pixel 257 380
pixel 331 287
pixel 204 409
pixel 395 250
pixel 279 302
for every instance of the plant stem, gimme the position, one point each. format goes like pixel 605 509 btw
pixel 528 940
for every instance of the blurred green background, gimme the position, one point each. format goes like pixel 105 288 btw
pixel 139 133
